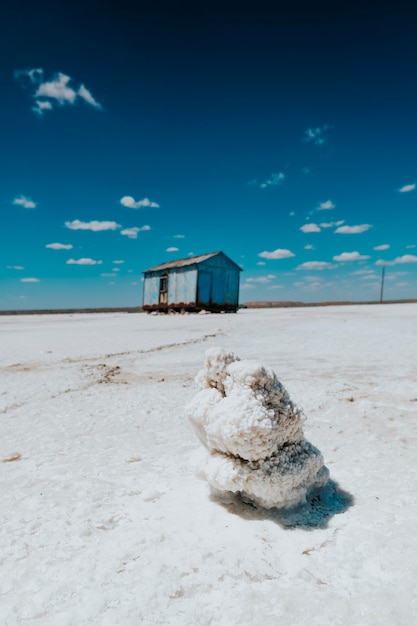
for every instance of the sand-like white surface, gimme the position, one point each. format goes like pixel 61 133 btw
pixel 103 522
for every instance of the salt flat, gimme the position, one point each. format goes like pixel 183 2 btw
pixel 103 521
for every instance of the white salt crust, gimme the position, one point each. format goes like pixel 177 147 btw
pixel 252 434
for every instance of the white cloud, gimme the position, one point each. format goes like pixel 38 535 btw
pixel 55 91
pixel 83 262
pixel 383 246
pixel 371 277
pixel 93 225
pixel 108 274
pixel 25 202
pixel 172 249
pixel 276 254
pixel 407 258
pixel 316 265
pixel 86 95
pixel 407 188
pixel 118 262
pixel 34 75
pixel 331 224
pixel 116 269
pixel 179 236
pixel 132 233
pixel 131 203
pixel 273 180
pixel 30 280
pixel 59 246
pixel 310 228
pixel 353 230
pixel 364 272
pixel 41 106
pixel 15 267
pixel 413 245
pixel 309 247
pixel 317 135
pixel 350 256
pixel 275 287
pixel 261 279
pixel 325 206
pixel 261 263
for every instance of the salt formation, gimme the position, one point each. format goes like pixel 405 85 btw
pixel 252 434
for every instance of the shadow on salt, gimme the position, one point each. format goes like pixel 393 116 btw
pixel 320 506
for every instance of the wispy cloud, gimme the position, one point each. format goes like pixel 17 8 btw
pixel 59 246
pixel 108 274
pixel 331 224
pixel 412 245
pixel 309 247
pixel 310 228
pixel 274 180
pixel 364 272
pixel 384 246
pixel 406 258
pixel 317 135
pixel 25 202
pixel 118 262
pixel 83 262
pixel 353 230
pixel 15 267
pixel 131 203
pixel 132 233
pixel 407 188
pixel 261 279
pixel 279 253
pixel 172 249
pixel 350 256
pixel 316 265
pixel 326 206
pixel 94 225
pixel 179 236
pixel 57 91
pixel 30 280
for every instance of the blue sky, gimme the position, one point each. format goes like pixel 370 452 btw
pixel 135 134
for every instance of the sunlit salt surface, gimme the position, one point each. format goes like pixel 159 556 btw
pixel 103 521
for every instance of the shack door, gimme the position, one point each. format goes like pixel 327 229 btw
pixel 163 289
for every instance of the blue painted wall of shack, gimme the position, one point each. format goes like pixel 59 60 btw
pixel 218 282
pixel 211 284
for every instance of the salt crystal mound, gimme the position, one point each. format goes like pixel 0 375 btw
pixel 252 434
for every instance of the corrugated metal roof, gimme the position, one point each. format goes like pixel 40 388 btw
pixel 191 260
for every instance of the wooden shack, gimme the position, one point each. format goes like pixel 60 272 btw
pixel 206 282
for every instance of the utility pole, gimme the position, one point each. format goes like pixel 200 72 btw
pixel 382 285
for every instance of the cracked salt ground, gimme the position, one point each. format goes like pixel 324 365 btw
pixel 102 522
